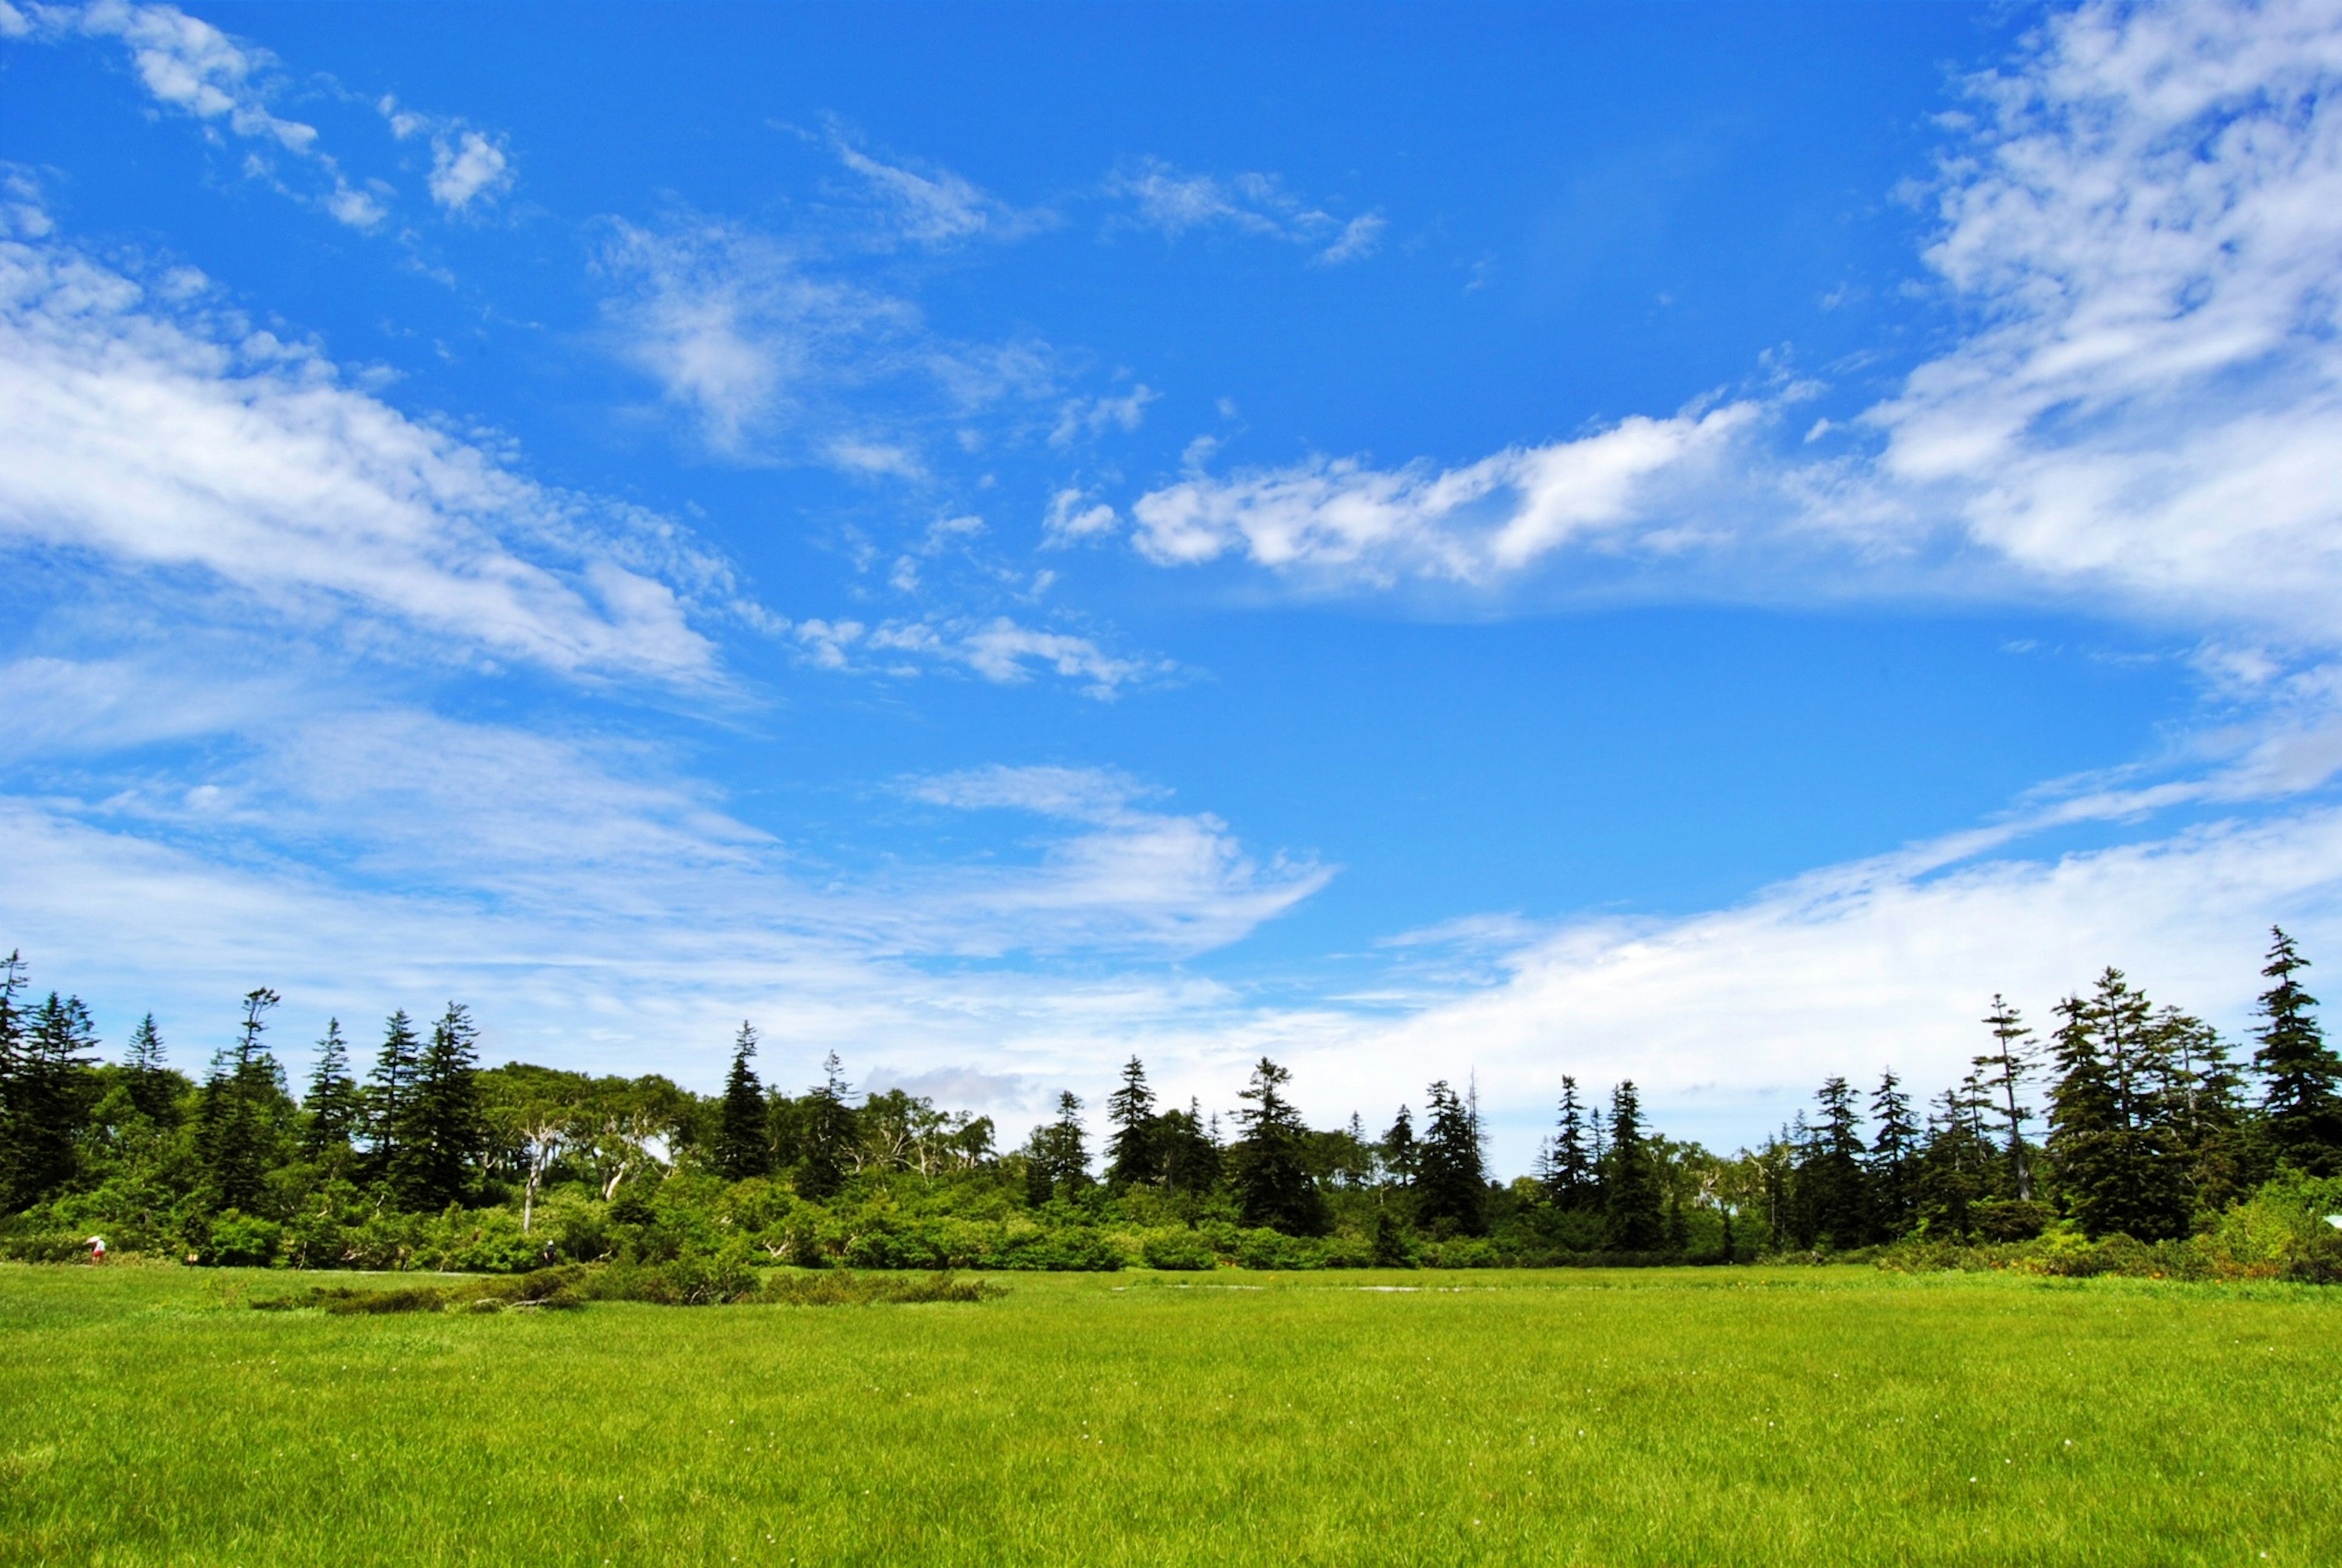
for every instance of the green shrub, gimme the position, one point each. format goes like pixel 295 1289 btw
pixel 843 1289
pixel 239 1241
pixel 1181 1249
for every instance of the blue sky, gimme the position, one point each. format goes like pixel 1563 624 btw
pixel 1687 542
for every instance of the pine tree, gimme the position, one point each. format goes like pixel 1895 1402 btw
pixel 389 1089
pixel 2207 1117
pixel 1267 1166
pixel 2007 1067
pixel 1953 1165
pixel 1893 1161
pixel 1131 1157
pixel 446 1130
pixel 49 1092
pixel 1630 1180
pixel 1833 1173
pixel 2107 1134
pixel 235 1133
pixel 1450 1186
pixel 152 1090
pixel 1189 1155
pixel 1057 1159
pixel 2301 1093
pixel 1400 1153
pixel 1570 1171
pixel 744 1137
pixel 826 1122
pixel 334 1103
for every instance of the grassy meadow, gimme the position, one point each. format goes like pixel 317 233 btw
pixel 1662 1416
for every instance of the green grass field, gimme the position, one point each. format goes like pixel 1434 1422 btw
pixel 1809 1416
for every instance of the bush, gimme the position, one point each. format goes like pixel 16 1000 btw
pixel 1181 1250
pixel 694 1279
pixel 842 1289
pixel 2012 1221
pixel 239 1241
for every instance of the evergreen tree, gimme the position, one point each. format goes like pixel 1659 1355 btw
pixel 151 1089
pixel 2006 1067
pixel 389 1089
pixel 1450 1187
pixel 1833 1171
pixel 1057 1159
pixel 446 1130
pixel 1570 1169
pixel 2212 1136
pixel 335 1106
pixel 827 1130
pixel 2107 1135
pixel 1953 1165
pixel 1187 1154
pixel 1131 1157
pixel 1401 1155
pixel 1630 1179
pixel 1893 1161
pixel 744 1137
pixel 12 1067
pixel 49 1091
pixel 2301 1093
pixel 235 1132
pixel 1267 1166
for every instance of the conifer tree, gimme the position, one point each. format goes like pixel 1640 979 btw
pixel 1131 1157
pixel 1893 1161
pixel 445 1129
pixel 744 1137
pixel 1637 1222
pixel 1450 1186
pixel 1833 1173
pixel 1057 1159
pixel 1400 1153
pixel 2106 1134
pixel 334 1105
pixel 827 1127
pixel 1953 1165
pixel 2006 1067
pixel 238 1098
pixel 1187 1155
pixel 1267 1166
pixel 2212 1136
pixel 390 1087
pixel 2301 1093
pixel 152 1090
pixel 48 1093
pixel 1570 1171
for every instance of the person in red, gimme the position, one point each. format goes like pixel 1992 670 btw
pixel 98 1248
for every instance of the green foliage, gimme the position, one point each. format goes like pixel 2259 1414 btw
pixel 2301 1100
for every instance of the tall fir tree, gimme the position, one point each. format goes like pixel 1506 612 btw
pixel 1893 1161
pixel 49 1091
pixel 1833 1171
pixel 153 1087
pixel 239 1098
pixel 333 1105
pixel 2006 1067
pixel 1130 1152
pixel 2301 1093
pixel 1057 1158
pixel 2212 1132
pixel 744 1133
pixel 826 1118
pixel 1955 1165
pixel 1450 1185
pixel 1636 1213
pixel 1189 1155
pixel 390 1087
pixel 1399 1152
pixel 2108 1136
pixel 1570 1169
pixel 1268 1166
pixel 445 1130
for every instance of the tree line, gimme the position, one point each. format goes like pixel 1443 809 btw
pixel 2150 1126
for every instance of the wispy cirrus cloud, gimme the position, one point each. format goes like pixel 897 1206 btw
pixel 1176 202
pixel 2141 235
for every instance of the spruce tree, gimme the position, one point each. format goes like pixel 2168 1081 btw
pixel 2213 1137
pixel 1267 1166
pixel 1893 1161
pixel 2005 1068
pixel 1954 1166
pixel 2109 1132
pixel 334 1105
pixel 236 1130
pixel 49 1092
pixel 390 1087
pixel 1399 1152
pixel 743 1136
pixel 1832 1172
pixel 1131 1158
pixel 1058 1157
pixel 152 1090
pixel 1569 1171
pixel 1450 1186
pixel 445 1130
pixel 2301 1093
pixel 1190 1156
pixel 826 1122
pixel 1637 1222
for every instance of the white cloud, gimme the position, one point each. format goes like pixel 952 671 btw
pixel 999 650
pixel 167 442
pixel 1076 514
pixel 1093 416
pixel 2141 229
pixel 1175 202
pixel 1469 524
pixel 465 168
pixel 934 206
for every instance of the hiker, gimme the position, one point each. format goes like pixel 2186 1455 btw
pixel 98 1248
